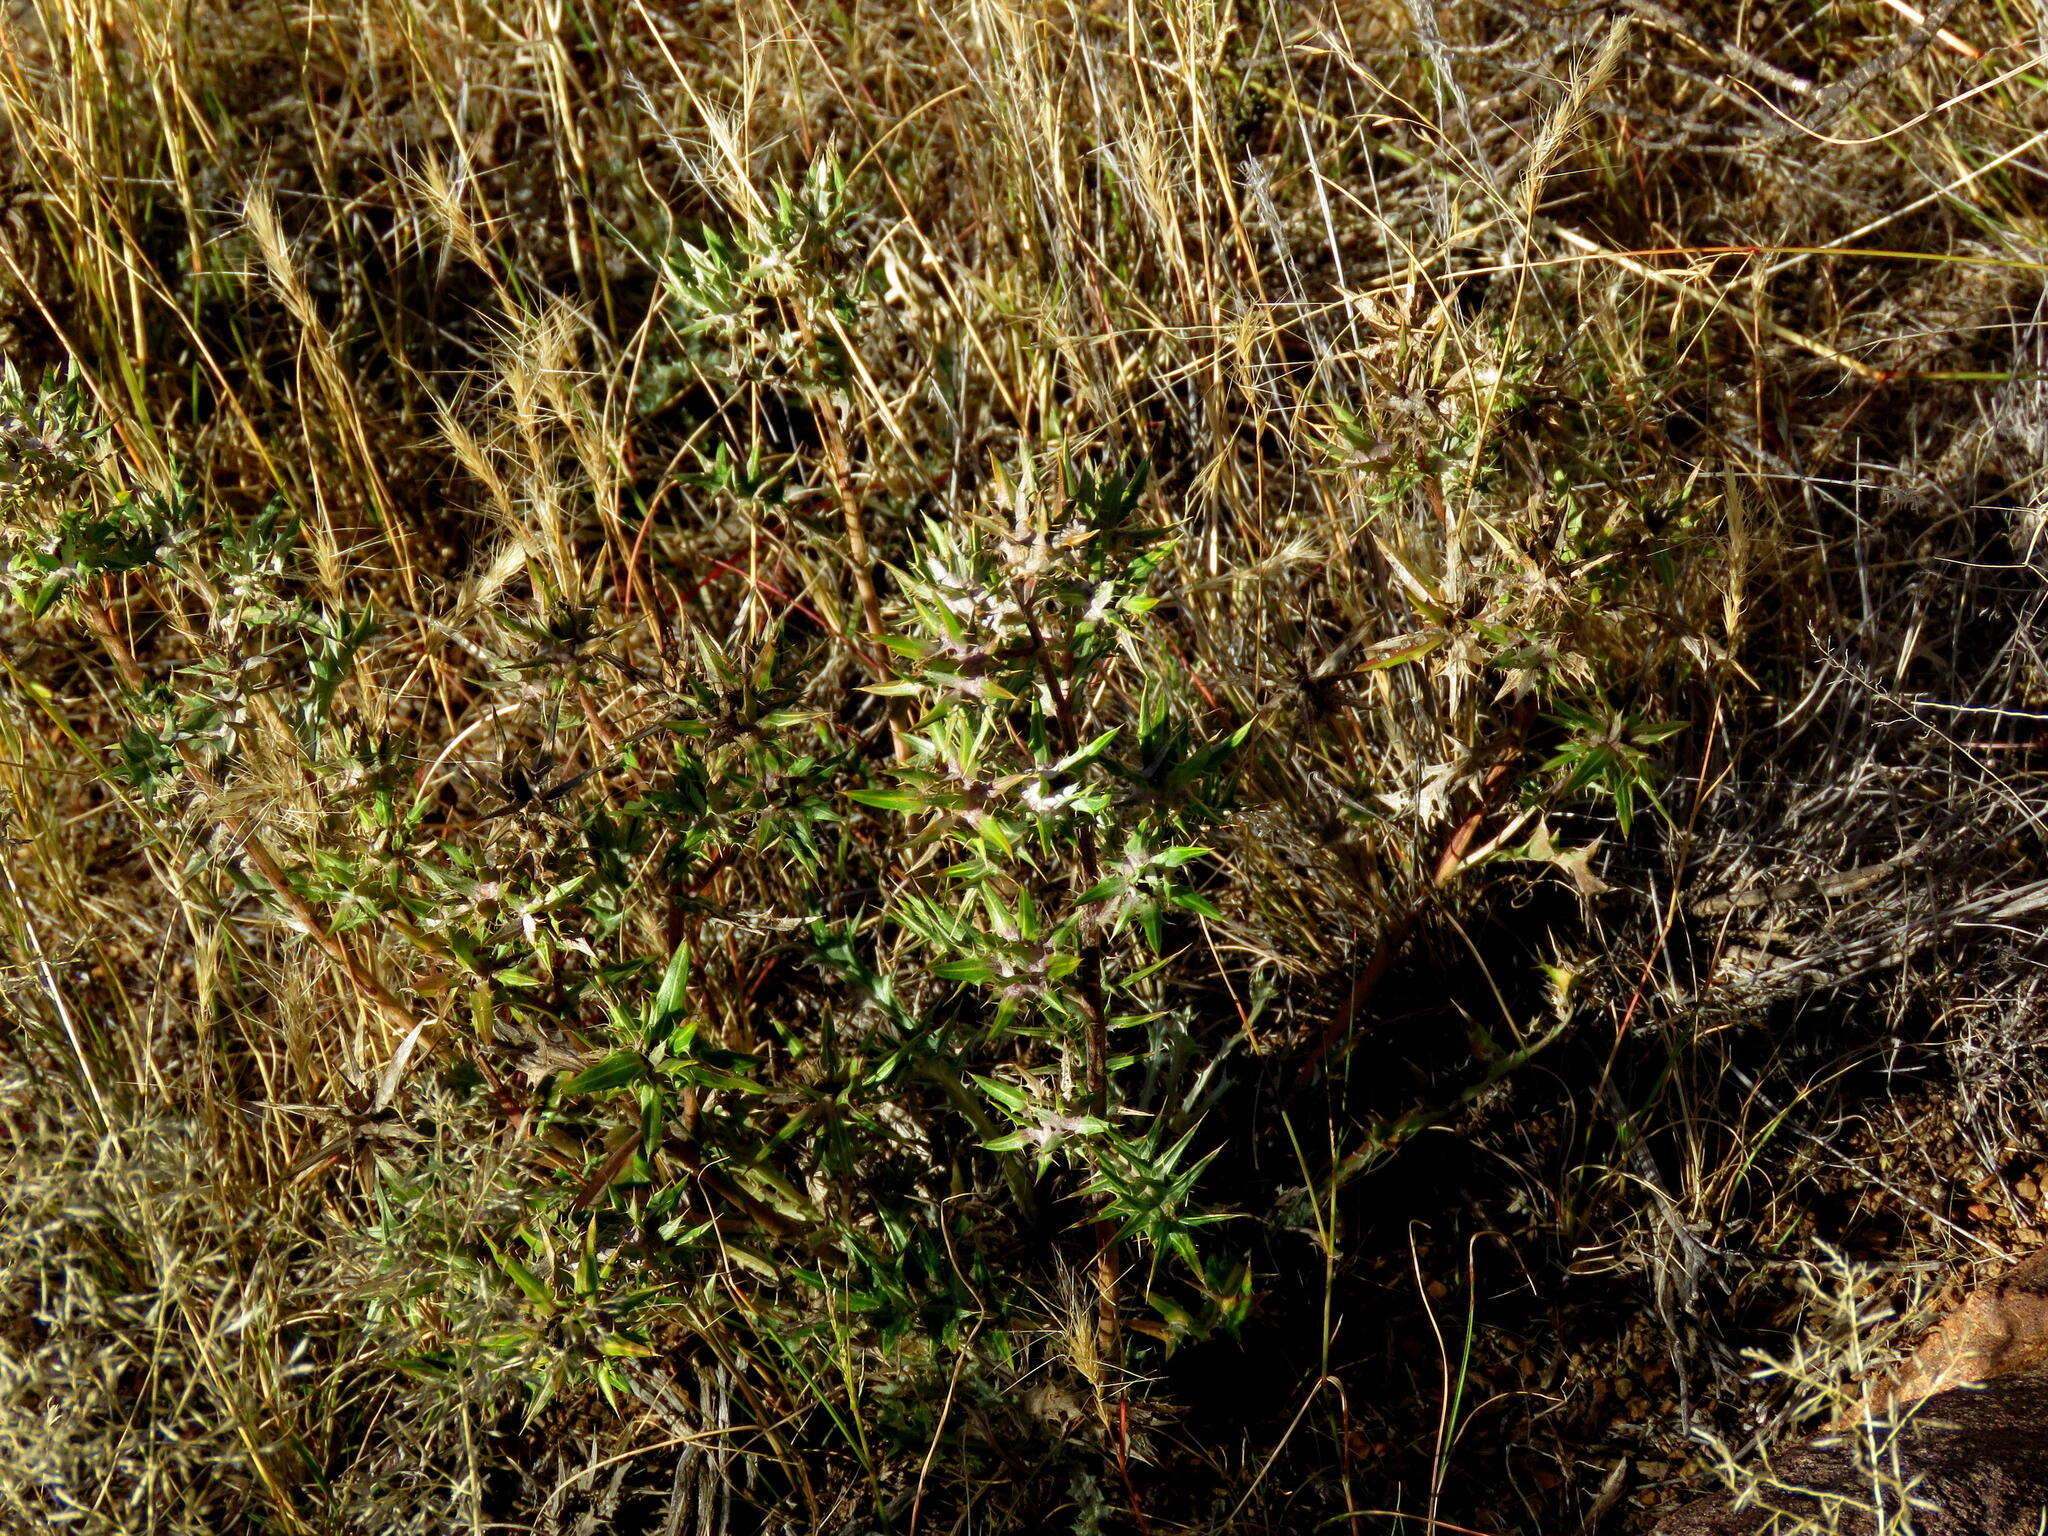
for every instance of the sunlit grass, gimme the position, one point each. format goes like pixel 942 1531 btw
pixel 780 771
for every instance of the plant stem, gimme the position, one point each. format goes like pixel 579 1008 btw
pixel 258 856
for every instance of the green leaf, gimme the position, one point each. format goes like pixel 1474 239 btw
pixel 675 987
pixel 40 599
pixel 536 1289
pixel 1086 754
pixel 889 799
pixel 615 1071
pixel 1009 1095
pixel 1400 649
pixel 710 1077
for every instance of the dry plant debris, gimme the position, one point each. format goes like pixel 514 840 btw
pixel 1004 765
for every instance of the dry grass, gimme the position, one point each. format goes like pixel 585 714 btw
pixel 568 965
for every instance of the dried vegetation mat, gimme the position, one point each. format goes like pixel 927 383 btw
pixel 996 765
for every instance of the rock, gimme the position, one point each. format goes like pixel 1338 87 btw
pixel 2001 1329
pixel 1970 1408
pixel 1976 1459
